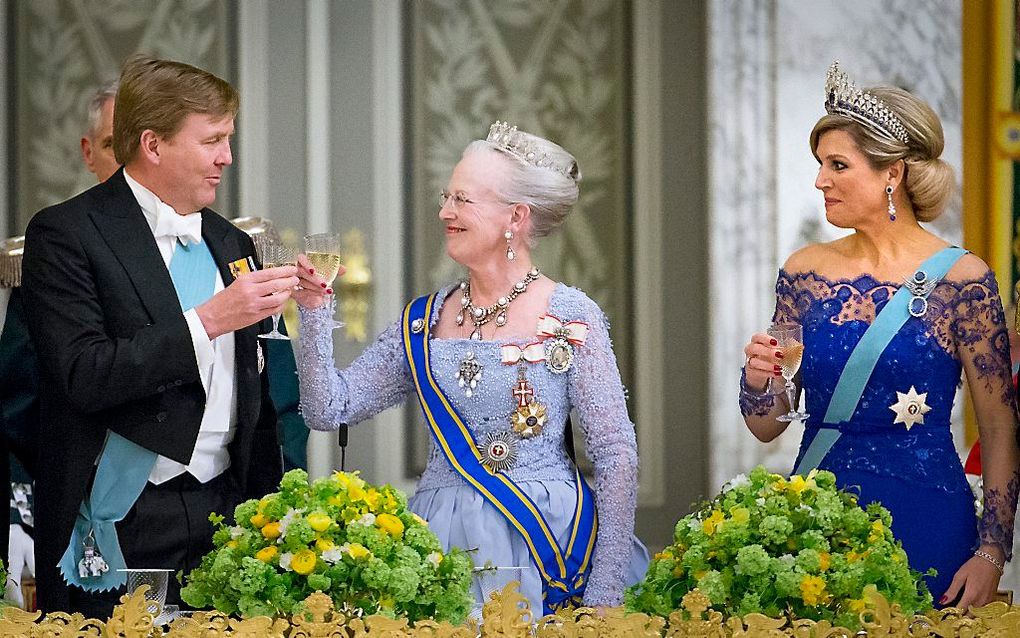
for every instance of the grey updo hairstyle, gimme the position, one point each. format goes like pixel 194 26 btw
pixel 550 193
pixel 929 181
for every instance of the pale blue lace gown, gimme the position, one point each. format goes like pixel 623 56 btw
pixel 380 378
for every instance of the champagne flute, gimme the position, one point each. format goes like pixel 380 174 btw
pixel 791 343
pixel 323 251
pixel 273 255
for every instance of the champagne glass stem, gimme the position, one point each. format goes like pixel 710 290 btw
pixel 791 393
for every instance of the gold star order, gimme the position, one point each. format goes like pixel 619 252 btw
pixel 910 408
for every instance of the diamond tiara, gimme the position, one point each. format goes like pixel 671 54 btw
pixel 509 139
pixel 842 97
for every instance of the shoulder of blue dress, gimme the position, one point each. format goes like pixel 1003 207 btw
pixel 441 295
pixel 568 303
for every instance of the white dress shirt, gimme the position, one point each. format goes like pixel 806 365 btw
pixel 215 357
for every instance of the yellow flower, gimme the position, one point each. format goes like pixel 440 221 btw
pixel 390 524
pixel 387 602
pixel 259 520
pixel 797 484
pixel 852 556
pixel 231 544
pixel 699 575
pixel 419 519
pixel 824 560
pixel 303 562
pixel 740 514
pixel 271 530
pixel 320 522
pixel 324 544
pixel 664 554
pixel 355 492
pixel 267 554
pixel 710 524
pixel 336 501
pixel 372 498
pixel 877 532
pixel 812 590
pixel 391 502
pixel 357 550
pixel 857 605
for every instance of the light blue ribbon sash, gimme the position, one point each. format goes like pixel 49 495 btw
pixel 124 467
pixel 857 372
pixel 564 574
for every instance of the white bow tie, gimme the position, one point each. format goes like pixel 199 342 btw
pixel 186 228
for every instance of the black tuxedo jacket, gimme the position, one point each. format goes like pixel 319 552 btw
pixel 115 353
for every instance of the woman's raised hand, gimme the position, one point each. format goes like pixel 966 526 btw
pixel 762 360
pixel 311 290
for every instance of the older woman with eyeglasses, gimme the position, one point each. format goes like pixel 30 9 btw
pixel 496 363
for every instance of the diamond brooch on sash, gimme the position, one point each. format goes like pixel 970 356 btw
pixel 499 451
pixel 418 325
pixel 92 563
pixel 529 417
pixel 469 374
pixel 910 408
pixel 920 287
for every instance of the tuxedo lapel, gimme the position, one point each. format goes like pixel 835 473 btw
pixel 122 224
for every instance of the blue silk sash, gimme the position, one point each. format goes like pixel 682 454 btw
pixel 124 467
pixel 857 372
pixel 564 574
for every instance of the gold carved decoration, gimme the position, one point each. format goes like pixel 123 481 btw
pixel 507 615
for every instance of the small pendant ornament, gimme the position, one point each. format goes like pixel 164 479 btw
pixel 92 564
pixel 498 451
pixel 559 354
pixel 920 287
pixel 910 408
pixel 529 417
pixel 260 358
pixel 469 374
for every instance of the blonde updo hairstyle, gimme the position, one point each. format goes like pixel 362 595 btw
pixel 550 193
pixel 928 180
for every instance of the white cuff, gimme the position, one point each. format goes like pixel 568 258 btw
pixel 204 353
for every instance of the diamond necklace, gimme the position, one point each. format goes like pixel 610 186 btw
pixel 497 311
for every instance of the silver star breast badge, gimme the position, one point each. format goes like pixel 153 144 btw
pixel 910 408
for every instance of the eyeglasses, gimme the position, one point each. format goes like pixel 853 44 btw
pixel 459 200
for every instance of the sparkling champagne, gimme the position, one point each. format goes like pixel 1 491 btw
pixel 326 265
pixel 792 355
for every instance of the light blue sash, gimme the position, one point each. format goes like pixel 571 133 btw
pixel 564 574
pixel 124 467
pixel 857 372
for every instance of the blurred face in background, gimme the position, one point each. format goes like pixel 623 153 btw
pixel 97 146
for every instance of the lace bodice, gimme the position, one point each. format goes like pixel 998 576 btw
pixel 963 329
pixel 380 378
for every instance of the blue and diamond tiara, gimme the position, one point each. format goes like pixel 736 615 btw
pixel 509 139
pixel 842 97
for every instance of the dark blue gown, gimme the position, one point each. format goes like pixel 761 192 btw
pixel 914 472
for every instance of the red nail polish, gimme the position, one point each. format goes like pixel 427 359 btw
pixel 773 342
pixel 311 271
pixel 323 285
pixel 778 369
pixel 329 291
pixel 779 355
pixel 943 600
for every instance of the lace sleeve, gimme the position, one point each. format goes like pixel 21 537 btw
pixel 786 299
pixel 596 392
pixel 983 346
pixel 377 379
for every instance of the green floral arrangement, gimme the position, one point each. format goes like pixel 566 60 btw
pixel 355 542
pixel 794 548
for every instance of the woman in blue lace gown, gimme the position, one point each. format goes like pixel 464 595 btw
pixel 497 363
pixel 880 175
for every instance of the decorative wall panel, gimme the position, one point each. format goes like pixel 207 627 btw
pixel 558 69
pixel 64 50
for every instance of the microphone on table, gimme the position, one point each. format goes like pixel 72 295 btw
pixel 342 440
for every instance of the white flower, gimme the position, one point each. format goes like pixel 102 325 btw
pixel 760 502
pixel 332 556
pixel 236 532
pixel 367 519
pixel 435 558
pixel 285 559
pixel 804 508
pixel 740 480
pixel 694 524
pixel 288 518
